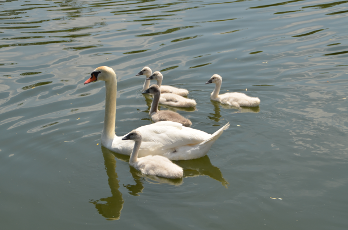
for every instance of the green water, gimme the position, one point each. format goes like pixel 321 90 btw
pixel 280 166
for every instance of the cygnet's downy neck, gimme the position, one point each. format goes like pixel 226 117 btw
pixel 110 109
pixel 159 81
pixel 216 91
pixel 134 155
pixel 147 82
pixel 155 101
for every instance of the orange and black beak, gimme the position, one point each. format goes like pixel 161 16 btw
pixel 92 78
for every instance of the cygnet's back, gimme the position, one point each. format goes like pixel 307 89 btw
pixel 159 166
pixel 176 100
pixel 151 165
pixel 239 99
pixel 167 115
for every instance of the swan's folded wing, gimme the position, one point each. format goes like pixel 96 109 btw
pixel 171 135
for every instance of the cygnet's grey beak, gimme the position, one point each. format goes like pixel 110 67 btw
pixel 150 78
pixel 147 91
pixel 208 82
pixel 140 73
pixel 126 137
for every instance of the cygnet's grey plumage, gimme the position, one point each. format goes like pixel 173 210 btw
pixel 164 115
pixel 151 165
pixel 235 99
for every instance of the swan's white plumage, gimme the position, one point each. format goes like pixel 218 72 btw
pixel 235 99
pixel 170 139
pixel 166 138
pixel 151 165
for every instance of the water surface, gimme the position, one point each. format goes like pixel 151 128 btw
pixel 282 165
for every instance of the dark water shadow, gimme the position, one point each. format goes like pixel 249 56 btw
pixel 216 116
pixel 202 167
pixel 110 207
pixel 242 109
pixel 148 101
pixel 175 109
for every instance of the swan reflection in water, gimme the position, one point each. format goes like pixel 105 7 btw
pixel 111 207
pixel 216 116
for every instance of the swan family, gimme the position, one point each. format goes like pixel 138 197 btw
pixel 167 138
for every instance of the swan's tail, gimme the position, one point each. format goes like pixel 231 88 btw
pixel 182 92
pixel 187 103
pixel 199 150
pixel 190 103
pixel 216 135
pixel 251 102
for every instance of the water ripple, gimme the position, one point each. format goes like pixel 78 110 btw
pixel 291 54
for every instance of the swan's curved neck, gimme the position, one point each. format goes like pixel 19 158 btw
pixel 110 109
pixel 134 155
pixel 154 105
pixel 216 91
pixel 147 82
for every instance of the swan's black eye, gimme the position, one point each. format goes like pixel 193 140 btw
pixel 95 74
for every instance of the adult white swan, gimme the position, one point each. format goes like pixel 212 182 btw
pixel 235 99
pixel 166 138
